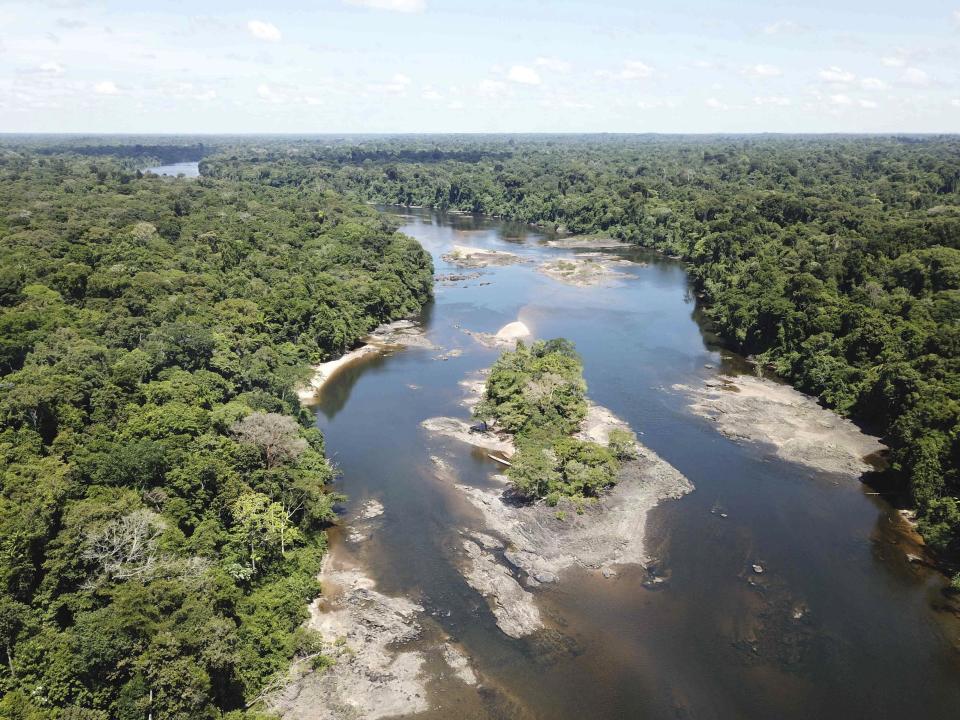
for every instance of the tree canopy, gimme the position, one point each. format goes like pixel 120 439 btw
pixel 538 394
pixel 162 493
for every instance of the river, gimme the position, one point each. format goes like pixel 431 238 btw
pixel 839 624
pixel 187 169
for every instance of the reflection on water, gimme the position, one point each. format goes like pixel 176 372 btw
pixel 838 624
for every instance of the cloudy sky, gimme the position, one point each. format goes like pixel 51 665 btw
pixel 490 65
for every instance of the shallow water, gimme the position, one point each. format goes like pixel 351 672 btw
pixel 839 624
pixel 187 169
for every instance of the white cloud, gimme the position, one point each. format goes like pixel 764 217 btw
pixel 268 94
pixel 264 30
pixel 762 70
pixel 893 61
pixel 956 16
pixel 634 69
pixel 455 105
pixel 651 103
pixel 52 68
pixel 206 95
pixel 523 75
pixel 397 85
pixel 868 104
pixel 491 88
pixel 715 104
pixel 106 87
pixel 872 83
pixel 955 102
pixel 430 94
pixel 916 77
pixel 403 6
pixel 772 100
pixel 783 27
pixel 550 63
pixel 310 100
pixel 841 99
pixel 834 74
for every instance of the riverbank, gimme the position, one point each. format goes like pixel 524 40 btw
pixel 389 336
pixel 384 655
pixel 586 242
pixel 800 430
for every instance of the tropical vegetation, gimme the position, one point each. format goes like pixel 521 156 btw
pixel 163 494
pixel 538 395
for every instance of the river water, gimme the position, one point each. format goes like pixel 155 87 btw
pixel 187 169
pixel 839 625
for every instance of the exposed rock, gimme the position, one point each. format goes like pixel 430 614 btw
pixel 610 531
pixel 459 663
pixel 583 271
pixel 370 679
pixel 511 605
pixel 759 410
pixel 455 278
pixel 473 257
pixel 460 430
pixel 371 509
pixel 401 333
pixel 505 337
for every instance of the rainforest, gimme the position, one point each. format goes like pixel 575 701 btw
pixel 169 491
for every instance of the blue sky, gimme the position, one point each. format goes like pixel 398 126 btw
pixel 495 66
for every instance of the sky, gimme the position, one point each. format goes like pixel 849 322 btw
pixel 376 66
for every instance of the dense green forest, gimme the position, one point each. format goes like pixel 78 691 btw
pixel 835 260
pixel 163 493
pixel 538 394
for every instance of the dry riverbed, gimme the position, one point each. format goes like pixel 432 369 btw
pixel 385 653
pixel 745 407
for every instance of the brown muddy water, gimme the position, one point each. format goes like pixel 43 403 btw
pixel 838 625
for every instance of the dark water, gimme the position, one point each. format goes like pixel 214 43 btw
pixel 187 169
pixel 840 624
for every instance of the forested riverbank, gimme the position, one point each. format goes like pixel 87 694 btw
pixel 164 495
pixel 835 260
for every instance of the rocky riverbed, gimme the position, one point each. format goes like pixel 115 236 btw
pixel 799 429
pixel 538 542
pixel 585 270
pixel 473 257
